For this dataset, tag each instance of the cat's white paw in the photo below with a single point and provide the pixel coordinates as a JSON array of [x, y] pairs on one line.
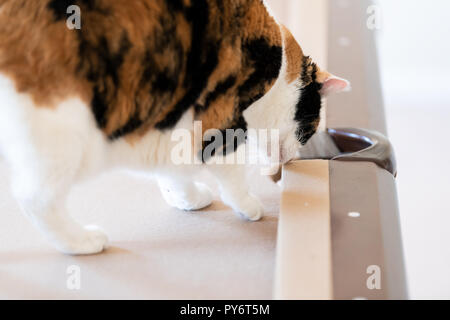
[[91, 240], [196, 198], [250, 208]]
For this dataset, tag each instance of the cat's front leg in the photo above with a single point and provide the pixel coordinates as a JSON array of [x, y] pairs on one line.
[[181, 192], [47, 151], [42, 197], [234, 190]]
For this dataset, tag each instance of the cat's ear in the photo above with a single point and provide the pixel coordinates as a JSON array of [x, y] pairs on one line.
[[332, 84]]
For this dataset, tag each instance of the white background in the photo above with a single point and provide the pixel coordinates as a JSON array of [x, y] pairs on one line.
[[414, 46]]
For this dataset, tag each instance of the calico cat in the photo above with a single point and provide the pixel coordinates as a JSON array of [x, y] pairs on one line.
[[110, 94]]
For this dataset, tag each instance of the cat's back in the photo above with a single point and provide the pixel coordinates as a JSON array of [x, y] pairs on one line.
[[38, 41], [139, 64], [121, 49]]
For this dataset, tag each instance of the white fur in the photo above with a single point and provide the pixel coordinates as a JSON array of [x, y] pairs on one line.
[[50, 149], [276, 110]]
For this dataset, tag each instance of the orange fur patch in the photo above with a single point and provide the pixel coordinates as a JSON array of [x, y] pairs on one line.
[[294, 55], [104, 63]]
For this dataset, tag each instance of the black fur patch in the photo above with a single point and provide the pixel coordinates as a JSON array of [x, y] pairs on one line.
[[201, 62], [175, 5], [101, 64], [232, 145], [160, 80], [266, 61], [102, 55], [104, 72], [133, 124], [308, 108], [221, 89]]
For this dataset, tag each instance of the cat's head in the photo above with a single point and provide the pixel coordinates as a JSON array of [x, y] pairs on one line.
[[313, 85], [293, 105]]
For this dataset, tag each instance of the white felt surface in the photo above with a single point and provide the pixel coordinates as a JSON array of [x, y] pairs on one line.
[[156, 252]]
